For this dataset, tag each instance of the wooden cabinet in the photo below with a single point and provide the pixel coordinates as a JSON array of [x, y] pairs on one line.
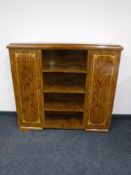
[[70, 86]]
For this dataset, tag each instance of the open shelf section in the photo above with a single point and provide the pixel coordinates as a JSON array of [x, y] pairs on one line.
[[64, 83], [70, 120], [64, 102], [68, 61]]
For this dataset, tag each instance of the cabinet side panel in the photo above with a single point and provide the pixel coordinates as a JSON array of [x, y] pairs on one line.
[[27, 85], [101, 85]]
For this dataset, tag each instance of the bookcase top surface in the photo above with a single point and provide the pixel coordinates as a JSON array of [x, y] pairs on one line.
[[77, 46]]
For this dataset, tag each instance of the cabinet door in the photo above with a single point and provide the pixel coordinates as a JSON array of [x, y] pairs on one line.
[[102, 76], [27, 80]]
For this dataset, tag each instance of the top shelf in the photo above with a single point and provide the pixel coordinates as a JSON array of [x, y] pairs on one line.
[[71, 61]]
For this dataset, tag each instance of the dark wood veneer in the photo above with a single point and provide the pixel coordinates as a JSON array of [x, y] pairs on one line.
[[64, 85]]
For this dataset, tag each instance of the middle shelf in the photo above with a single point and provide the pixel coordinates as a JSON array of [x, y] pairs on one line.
[[64, 102], [64, 83]]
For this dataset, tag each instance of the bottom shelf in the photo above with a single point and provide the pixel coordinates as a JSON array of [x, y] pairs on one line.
[[66, 120]]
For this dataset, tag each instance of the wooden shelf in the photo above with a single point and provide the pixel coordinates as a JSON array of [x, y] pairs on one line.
[[64, 83], [63, 106], [64, 89], [65, 69], [64, 102], [71, 61], [64, 120]]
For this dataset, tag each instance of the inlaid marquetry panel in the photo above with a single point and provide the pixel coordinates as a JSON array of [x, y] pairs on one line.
[[26, 66], [103, 67]]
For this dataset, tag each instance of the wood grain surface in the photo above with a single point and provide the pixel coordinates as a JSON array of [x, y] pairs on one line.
[[70, 86], [27, 84]]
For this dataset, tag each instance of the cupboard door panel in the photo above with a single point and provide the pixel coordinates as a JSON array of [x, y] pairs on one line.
[[103, 69], [26, 66]]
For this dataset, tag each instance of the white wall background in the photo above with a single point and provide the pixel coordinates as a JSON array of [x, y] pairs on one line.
[[66, 21]]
